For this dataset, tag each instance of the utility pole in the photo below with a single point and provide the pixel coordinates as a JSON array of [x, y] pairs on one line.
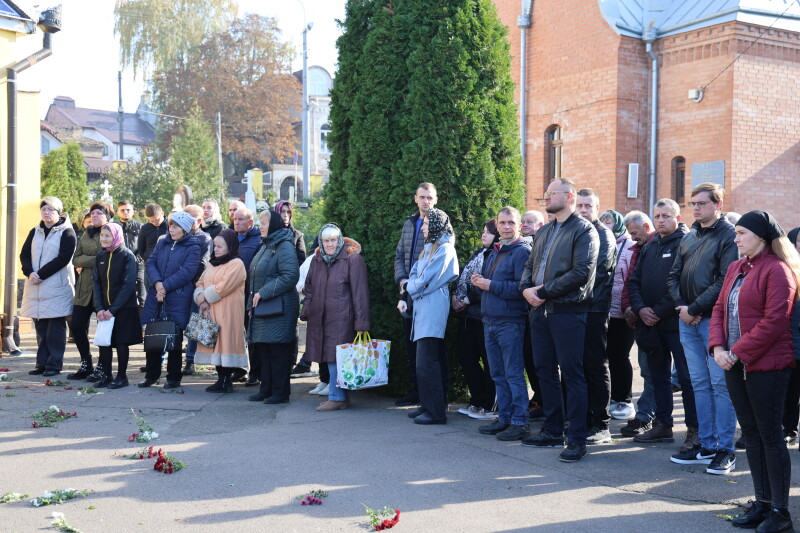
[[120, 117], [219, 154], [306, 154]]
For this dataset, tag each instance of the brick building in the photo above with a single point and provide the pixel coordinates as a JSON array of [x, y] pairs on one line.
[[588, 98]]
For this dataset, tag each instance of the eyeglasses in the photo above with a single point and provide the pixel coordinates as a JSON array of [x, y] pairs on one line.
[[548, 194], [699, 204], [47, 209]]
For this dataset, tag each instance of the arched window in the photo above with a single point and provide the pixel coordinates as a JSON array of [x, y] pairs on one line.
[[554, 153], [679, 179], [288, 189], [324, 131]]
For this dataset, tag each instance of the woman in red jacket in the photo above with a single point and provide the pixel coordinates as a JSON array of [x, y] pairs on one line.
[[749, 337]]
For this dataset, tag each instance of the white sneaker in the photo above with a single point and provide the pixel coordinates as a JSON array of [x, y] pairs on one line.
[[325, 389], [612, 406], [624, 411], [468, 409], [483, 414], [318, 389]]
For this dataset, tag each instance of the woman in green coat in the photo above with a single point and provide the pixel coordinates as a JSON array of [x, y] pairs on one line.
[[274, 272]]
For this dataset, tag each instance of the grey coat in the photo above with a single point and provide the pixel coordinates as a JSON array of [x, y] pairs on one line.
[[274, 272], [428, 287]]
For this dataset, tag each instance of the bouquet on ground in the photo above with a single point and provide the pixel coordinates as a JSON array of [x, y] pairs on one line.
[[313, 498], [58, 496], [12, 497], [381, 519], [60, 523], [146, 432], [49, 417]]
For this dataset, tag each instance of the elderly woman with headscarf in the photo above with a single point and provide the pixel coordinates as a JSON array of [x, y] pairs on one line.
[[86, 251], [285, 209], [114, 277], [46, 260], [274, 272], [336, 304], [428, 287], [749, 338], [620, 336], [170, 270], [220, 295]]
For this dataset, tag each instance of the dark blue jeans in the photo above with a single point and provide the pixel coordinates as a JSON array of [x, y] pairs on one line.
[[557, 340], [660, 359], [504, 350]]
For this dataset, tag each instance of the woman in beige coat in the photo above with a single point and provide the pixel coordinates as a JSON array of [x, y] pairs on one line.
[[220, 292]]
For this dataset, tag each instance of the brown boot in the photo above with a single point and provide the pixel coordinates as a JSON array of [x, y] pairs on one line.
[[658, 433], [332, 405], [692, 439]]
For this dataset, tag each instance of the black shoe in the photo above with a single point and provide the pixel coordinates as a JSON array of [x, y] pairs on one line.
[[188, 370], [95, 376], [216, 387], [426, 420], [777, 520], [142, 369], [51, 373], [119, 382], [634, 427], [272, 400], [535, 412], [172, 384], [252, 381], [412, 398], [740, 444], [414, 413], [105, 381], [752, 515], [301, 371], [790, 437], [514, 432], [544, 439], [256, 398], [694, 456], [239, 375], [723, 462], [147, 383], [494, 428], [36, 371], [572, 453], [83, 372]]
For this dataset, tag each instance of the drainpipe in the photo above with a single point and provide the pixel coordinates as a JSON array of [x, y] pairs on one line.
[[524, 22], [649, 36], [50, 22]]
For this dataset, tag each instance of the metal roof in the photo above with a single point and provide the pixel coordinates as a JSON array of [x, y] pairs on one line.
[[668, 17]]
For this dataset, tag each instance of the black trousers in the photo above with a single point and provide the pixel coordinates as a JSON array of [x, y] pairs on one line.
[[276, 360], [758, 400], [471, 351], [666, 343], [791, 411], [432, 388], [80, 331], [106, 355], [411, 350], [620, 342], [52, 337], [595, 369], [530, 368], [174, 359]]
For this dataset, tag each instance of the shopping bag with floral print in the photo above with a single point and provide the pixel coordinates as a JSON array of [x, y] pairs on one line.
[[362, 363]]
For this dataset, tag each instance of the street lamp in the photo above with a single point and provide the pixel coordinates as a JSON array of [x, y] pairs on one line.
[[305, 148]]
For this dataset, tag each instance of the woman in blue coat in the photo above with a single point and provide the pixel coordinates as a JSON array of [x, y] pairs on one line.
[[170, 270], [427, 285]]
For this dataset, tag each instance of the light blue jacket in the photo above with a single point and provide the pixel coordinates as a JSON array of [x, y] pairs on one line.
[[428, 288]]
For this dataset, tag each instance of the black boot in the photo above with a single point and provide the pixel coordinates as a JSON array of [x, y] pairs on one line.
[[227, 383], [83, 372], [777, 520], [751, 516], [218, 386]]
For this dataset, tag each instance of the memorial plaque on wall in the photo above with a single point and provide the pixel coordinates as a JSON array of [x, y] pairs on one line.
[[712, 171]]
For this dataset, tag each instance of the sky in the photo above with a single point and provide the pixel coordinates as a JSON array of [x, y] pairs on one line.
[[85, 58]]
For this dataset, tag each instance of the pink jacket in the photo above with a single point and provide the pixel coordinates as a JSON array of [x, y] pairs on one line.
[[621, 273]]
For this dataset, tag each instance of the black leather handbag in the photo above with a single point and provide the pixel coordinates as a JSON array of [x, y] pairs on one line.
[[271, 307], [162, 334]]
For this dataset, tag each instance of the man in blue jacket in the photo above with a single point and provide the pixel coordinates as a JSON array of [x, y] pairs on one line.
[[504, 310]]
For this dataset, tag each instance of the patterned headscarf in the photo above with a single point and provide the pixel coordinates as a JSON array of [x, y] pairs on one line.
[[329, 259], [279, 206], [116, 234], [438, 225], [231, 239], [619, 224]]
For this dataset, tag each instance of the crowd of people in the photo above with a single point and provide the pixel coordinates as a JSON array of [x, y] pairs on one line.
[[559, 298]]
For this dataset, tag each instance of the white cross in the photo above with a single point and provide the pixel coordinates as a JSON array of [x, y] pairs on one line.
[[106, 186]]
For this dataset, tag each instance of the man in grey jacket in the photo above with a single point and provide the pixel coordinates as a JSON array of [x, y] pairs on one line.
[[408, 249], [557, 281]]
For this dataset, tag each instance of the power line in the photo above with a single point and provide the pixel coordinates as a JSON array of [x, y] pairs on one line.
[[750, 45]]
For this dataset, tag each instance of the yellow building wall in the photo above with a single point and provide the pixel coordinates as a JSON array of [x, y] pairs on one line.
[[28, 158]]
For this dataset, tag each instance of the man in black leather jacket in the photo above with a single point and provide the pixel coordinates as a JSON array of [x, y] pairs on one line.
[[595, 357], [557, 281], [694, 283]]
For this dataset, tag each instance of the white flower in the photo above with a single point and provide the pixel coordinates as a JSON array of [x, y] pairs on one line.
[[3, 376], [53, 408], [36, 502], [59, 516], [48, 495]]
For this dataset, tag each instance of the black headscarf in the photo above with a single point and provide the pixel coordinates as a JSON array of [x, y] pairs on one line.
[[438, 225], [275, 224], [762, 224], [232, 240], [793, 235]]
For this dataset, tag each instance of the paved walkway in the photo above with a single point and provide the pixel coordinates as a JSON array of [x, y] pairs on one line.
[[247, 463]]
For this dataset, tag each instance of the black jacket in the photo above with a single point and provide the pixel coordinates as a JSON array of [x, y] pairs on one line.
[[130, 232], [215, 228], [114, 278], [600, 299], [699, 269], [403, 253], [647, 286], [148, 237], [570, 268]]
